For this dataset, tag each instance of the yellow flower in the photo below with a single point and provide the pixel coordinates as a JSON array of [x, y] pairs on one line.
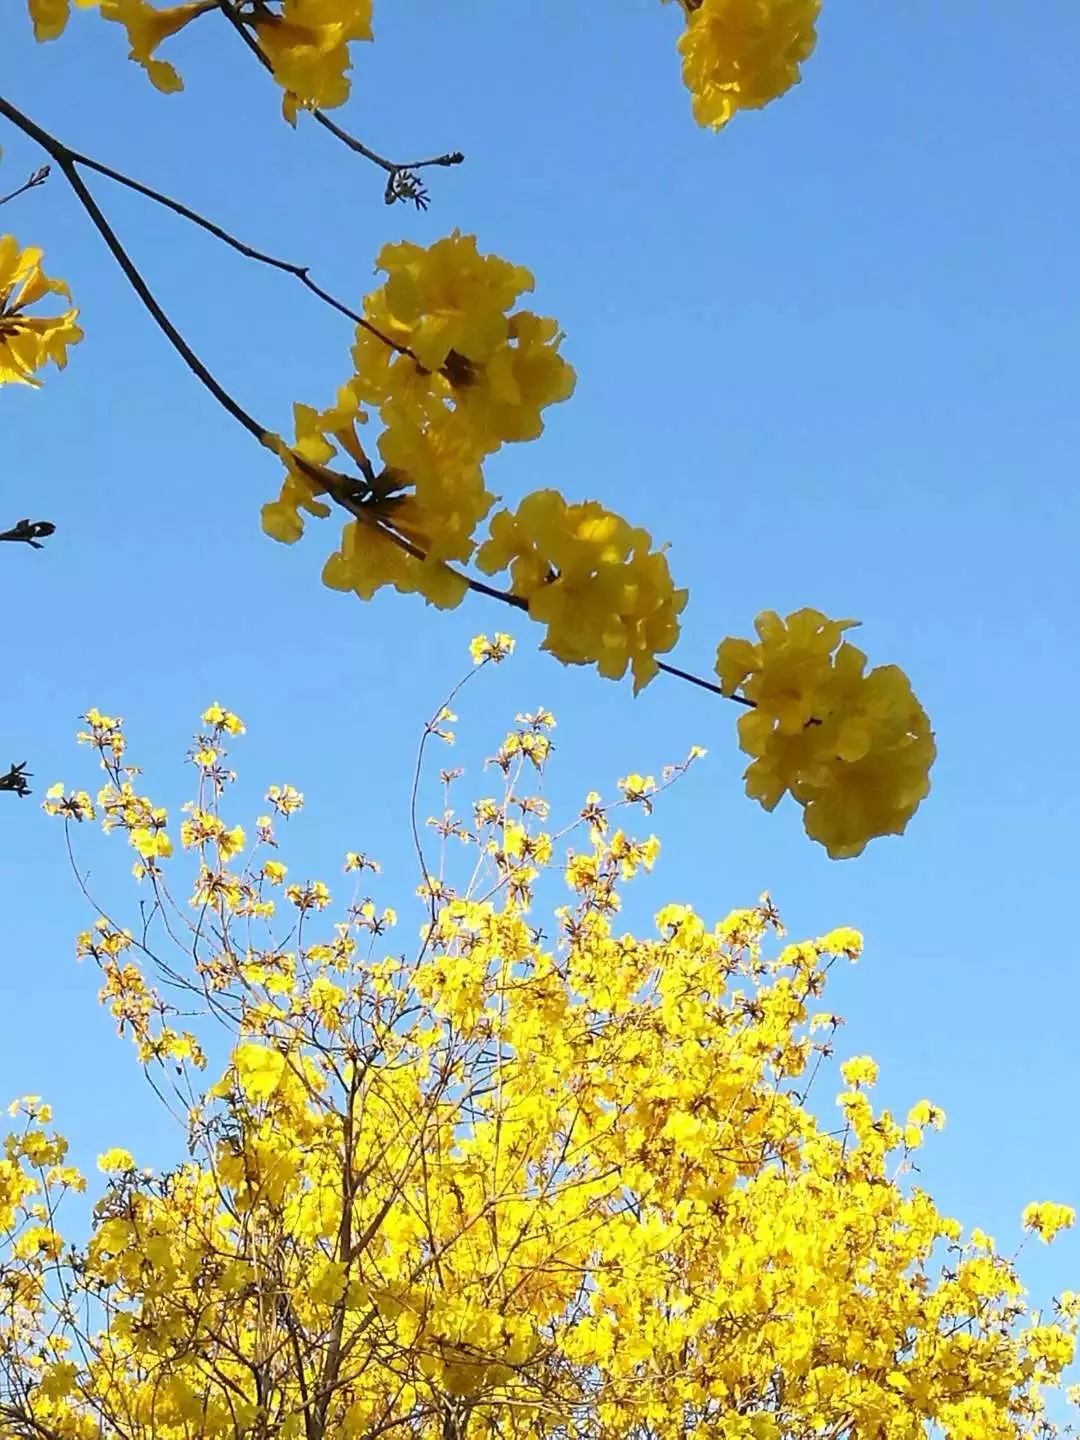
[[861, 1070], [28, 342], [369, 559], [313, 896], [454, 372], [115, 1161], [469, 353], [221, 719], [436, 468], [147, 27], [230, 842], [285, 799], [307, 46], [305, 464], [50, 17], [637, 789], [151, 843], [259, 1071], [74, 806], [495, 650], [357, 860], [924, 1114], [741, 54], [1047, 1218]]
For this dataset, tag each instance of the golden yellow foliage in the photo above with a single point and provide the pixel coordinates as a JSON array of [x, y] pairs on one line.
[[530, 1177]]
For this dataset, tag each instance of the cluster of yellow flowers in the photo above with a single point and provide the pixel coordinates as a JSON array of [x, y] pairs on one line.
[[854, 749], [453, 371], [29, 342], [741, 54], [552, 1186], [605, 596]]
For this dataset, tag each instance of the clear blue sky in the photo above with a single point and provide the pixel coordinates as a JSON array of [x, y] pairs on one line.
[[829, 355]]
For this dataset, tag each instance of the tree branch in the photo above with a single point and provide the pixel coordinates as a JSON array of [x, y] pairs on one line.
[[37, 178], [402, 182], [64, 159], [301, 272], [344, 491]]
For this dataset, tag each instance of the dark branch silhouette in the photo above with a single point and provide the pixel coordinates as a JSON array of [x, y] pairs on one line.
[[16, 780], [30, 532], [402, 182]]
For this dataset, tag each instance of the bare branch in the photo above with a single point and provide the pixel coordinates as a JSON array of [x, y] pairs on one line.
[[288, 267], [402, 182], [37, 178]]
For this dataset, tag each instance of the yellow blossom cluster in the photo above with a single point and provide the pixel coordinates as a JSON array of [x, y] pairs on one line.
[[559, 1186], [29, 342], [454, 371], [496, 648], [853, 748], [456, 343], [741, 54], [606, 597]]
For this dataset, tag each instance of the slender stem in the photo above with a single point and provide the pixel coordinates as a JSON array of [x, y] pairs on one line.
[[228, 9], [63, 157], [704, 684], [301, 272], [391, 167], [37, 178]]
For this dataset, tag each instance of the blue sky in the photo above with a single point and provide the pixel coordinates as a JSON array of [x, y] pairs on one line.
[[828, 354]]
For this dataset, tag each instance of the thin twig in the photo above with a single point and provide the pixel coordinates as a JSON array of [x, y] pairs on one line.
[[37, 178], [703, 684], [392, 167], [395, 170], [301, 272], [30, 532], [63, 158]]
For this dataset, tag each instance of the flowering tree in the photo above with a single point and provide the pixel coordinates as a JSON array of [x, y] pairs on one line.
[[447, 367], [511, 1182]]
